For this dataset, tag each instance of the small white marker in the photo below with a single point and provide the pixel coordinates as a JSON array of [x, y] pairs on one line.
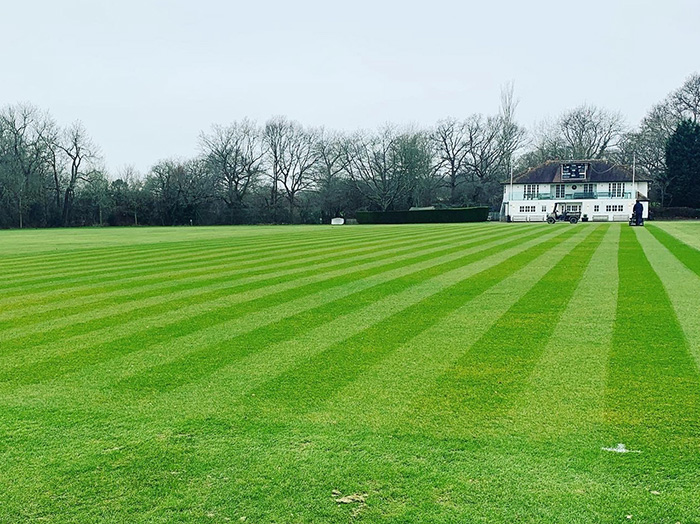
[[621, 449]]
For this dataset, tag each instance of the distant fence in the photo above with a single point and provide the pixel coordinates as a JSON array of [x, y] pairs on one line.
[[424, 216]]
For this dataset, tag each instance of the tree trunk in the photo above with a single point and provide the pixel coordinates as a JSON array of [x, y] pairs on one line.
[[66, 207], [273, 199]]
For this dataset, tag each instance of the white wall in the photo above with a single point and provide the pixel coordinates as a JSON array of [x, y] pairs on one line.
[[543, 207]]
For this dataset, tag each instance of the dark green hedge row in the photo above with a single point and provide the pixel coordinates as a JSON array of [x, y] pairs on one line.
[[676, 212], [424, 216]]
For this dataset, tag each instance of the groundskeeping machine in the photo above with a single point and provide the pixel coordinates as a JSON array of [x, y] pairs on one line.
[[633, 221], [560, 214]]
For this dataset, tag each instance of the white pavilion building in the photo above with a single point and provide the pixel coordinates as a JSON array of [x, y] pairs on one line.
[[598, 190]]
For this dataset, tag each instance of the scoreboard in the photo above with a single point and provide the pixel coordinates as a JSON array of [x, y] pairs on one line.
[[574, 171]]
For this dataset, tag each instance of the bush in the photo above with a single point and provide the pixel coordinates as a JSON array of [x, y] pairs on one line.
[[424, 216], [676, 212]]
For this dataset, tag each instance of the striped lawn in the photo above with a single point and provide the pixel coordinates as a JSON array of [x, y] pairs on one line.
[[445, 373]]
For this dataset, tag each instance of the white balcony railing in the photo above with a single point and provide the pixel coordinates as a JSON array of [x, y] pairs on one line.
[[595, 195]]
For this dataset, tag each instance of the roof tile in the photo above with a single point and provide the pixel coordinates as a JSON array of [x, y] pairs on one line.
[[598, 171]]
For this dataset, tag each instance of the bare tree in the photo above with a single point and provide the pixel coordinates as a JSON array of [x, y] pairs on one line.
[[512, 135], [51, 137], [162, 185], [585, 132], [484, 155], [180, 188], [331, 155], [127, 195], [329, 170], [292, 156], [275, 147], [545, 143], [234, 156], [374, 165], [97, 190], [646, 148], [647, 145], [685, 101], [591, 132], [80, 153], [449, 140], [419, 166], [479, 149], [24, 153]]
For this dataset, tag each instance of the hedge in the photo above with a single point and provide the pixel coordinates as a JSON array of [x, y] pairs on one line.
[[675, 212], [424, 216]]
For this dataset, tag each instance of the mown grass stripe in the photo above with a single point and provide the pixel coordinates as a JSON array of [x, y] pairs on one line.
[[688, 255], [564, 394], [135, 288], [474, 396], [132, 295], [116, 256], [280, 240], [652, 399], [120, 280], [669, 462], [200, 241], [63, 328], [685, 230], [381, 398], [653, 383], [172, 326], [175, 260], [72, 448], [308, 386], [254, 368], [176, 316], [78, 244], [203, 250], [204, 362], [682, 287], [177, 264]]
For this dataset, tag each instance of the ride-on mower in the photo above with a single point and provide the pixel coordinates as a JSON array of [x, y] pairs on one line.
[[633, 221], [564, 216]]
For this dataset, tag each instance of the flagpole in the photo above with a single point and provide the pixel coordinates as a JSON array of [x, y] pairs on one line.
[[510, 200], [634, 169]]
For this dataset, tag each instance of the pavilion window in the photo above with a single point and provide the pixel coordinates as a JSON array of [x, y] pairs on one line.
[[616, 189]]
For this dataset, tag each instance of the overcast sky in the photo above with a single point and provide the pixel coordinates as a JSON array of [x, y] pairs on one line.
[[146, 76]]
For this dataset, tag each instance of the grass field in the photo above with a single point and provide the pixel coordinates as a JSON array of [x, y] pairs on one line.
[[437, 373]]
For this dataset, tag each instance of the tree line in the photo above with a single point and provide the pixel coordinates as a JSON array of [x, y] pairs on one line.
[[284, 172]]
